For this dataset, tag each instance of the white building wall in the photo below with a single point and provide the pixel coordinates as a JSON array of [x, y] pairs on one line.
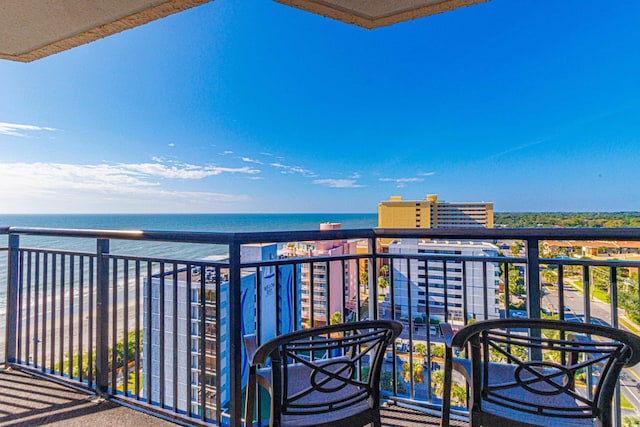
[[432, 272]]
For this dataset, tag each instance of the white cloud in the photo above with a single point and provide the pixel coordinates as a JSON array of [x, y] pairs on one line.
[[226, 152], [182, 171], [171, 144], [20, 130], [401, 182], [57, 187], [426, 173], [338, 183], [284, 169], [250, 160]]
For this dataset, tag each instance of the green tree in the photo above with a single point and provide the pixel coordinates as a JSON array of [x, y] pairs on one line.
[[516, 247], [387, 382], [383, 282], [364, 277], [631, 422], [437, 350], [384, 270], [336, 318], [418, 374], [421, 349]]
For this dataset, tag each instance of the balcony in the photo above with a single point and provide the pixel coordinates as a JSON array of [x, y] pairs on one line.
[[118, 314]]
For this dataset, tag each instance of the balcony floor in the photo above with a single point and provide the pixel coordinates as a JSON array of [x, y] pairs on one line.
[[26, 400]]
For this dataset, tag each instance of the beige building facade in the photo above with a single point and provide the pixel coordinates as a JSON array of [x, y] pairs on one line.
[[432, 213]]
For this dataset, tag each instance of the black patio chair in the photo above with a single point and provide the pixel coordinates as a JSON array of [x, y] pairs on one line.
[[525, 372], [323, 376]]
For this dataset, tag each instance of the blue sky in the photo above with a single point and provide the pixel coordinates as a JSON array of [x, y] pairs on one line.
[[253, 106]]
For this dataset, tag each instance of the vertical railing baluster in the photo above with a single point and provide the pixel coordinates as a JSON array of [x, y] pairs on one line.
[[161, 340], [327, 283], [148, 331], [137, 326], [374, 268], [45, 299], [410, 324], [485, 286], [63, 262], [445, 289], [174, 332], [81, 318], [613, 298], [114, 325], [507, 296], [312, 302], [218, 346], [465, 294], [72, 278], [92, 310], [20, 308], [54, 281], [534, 294], [102, 317], [27, 352], [36, 316], [235, 338], [12, 311], [202, 296], [187, 345], [278, 279], [125, 328], [343, 286], [561, 301], [391, 288]]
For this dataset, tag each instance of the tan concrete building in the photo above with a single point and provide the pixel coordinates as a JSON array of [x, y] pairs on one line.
[[431, 213]]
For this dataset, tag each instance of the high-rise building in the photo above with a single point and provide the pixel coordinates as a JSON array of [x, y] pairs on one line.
[[322, 289], [432, 213], [184, 288], [426, 281]]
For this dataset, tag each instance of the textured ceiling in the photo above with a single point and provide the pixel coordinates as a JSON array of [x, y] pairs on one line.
[[377, 13], [32, 29]]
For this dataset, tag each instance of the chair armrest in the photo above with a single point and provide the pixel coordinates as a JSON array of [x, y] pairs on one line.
[[250, 346], [447, 333]]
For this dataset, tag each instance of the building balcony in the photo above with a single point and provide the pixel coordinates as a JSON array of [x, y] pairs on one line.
[[89, 309]]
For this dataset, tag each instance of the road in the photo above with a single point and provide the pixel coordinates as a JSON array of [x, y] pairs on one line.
[[600, 314]]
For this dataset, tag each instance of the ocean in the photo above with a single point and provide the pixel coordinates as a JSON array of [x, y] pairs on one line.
[[164, 222]]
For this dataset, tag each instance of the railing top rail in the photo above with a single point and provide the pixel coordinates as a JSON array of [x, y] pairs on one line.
[[197, 236], [514, 233], [630, 234]]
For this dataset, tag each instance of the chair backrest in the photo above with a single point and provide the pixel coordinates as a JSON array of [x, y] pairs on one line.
[[532, 366], [326, 369]]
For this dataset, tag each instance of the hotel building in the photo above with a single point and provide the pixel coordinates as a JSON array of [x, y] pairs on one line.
[[217, 352], [432, 213], [324, 284], [429, 279]]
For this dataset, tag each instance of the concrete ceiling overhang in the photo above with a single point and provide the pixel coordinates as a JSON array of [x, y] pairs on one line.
[[378, 13], [33, 29]]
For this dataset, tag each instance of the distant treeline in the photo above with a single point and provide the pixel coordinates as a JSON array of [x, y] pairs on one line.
[[567, 219]]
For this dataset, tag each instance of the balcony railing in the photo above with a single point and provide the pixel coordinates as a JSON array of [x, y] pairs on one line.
[[125, 315]]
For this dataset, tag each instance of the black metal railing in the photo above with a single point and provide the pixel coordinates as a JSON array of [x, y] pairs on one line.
[[165, 332]]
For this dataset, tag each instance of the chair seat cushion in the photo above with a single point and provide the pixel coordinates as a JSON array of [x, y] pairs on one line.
[[299, 376], [502, 373]]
